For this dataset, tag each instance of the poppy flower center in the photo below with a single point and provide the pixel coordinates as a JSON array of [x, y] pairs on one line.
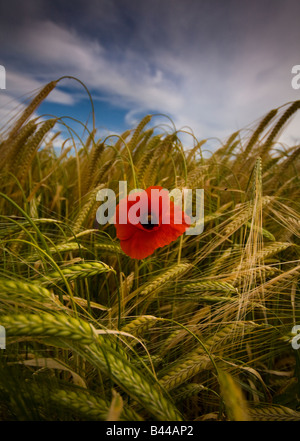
[[149, 221]]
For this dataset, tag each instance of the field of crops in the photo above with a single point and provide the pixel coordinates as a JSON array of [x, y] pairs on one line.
[[201, 329]]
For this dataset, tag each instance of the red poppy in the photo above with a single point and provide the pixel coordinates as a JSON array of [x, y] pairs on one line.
[[147, 220]]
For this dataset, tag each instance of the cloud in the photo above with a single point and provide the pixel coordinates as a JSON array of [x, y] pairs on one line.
[[215, 75], [56, 49]]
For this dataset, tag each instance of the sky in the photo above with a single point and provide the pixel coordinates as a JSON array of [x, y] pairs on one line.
[[212, 66]]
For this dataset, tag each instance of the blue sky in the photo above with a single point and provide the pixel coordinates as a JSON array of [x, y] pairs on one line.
[[214, 66]]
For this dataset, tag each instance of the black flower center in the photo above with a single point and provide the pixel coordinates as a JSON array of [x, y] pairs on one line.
[[149, 221]]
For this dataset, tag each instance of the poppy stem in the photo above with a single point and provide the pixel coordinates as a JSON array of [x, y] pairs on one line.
[[136, 274], [179, 250]]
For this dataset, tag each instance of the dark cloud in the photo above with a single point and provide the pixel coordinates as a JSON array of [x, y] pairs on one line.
[[207, 63], [213, 29]]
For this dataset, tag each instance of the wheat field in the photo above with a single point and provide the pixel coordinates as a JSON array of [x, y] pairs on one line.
[[201, 329]]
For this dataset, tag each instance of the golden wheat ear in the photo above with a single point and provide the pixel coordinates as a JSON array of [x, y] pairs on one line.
[[201, 329]]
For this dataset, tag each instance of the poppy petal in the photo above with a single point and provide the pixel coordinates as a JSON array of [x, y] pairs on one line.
[[124, 230], [139, 246], [139, 241]]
